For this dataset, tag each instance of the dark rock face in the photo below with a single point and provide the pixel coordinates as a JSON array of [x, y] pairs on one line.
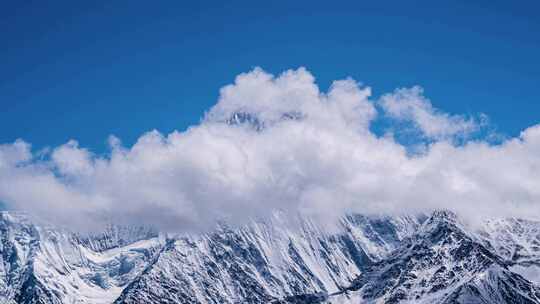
[[33, 292], [320, 297]]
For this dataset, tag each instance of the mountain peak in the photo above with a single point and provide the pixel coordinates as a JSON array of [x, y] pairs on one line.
[[442, 221], [257, 123], [443, 215]]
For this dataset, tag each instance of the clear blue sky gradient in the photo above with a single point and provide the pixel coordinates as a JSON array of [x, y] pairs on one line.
[[88, 70]]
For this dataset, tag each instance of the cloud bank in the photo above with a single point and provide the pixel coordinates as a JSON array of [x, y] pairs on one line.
[[280, 143]]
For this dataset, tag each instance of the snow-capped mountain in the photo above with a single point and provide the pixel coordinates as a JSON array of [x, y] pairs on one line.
[[443, 263], [40, 264], [267, 260], [280, 259]]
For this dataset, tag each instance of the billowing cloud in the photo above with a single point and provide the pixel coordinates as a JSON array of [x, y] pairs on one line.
[[410, 105], [71, 160], [293, 94], [278, 142]]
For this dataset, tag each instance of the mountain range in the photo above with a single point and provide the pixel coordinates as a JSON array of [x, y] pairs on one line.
[[421, 258]]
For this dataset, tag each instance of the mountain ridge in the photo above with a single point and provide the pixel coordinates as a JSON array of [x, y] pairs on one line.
[[382, 259]]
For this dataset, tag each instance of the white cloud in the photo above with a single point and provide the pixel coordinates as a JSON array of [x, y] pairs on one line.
[[13, 154], [323, 162], [293, 93], [72, 160], [410, 105]]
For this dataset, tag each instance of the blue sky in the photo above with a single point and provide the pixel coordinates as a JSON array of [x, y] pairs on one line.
[[85, 71]]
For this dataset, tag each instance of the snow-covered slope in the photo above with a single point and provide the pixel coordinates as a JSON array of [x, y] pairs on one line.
[[267, 260], [444, 263], [365, 259], [40, 264], [517, 241], [114, 236]]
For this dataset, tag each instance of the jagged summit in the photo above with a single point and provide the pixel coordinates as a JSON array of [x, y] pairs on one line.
[[443, 225], [243, 118], [254, 122], [443, 263], [443, 215]]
